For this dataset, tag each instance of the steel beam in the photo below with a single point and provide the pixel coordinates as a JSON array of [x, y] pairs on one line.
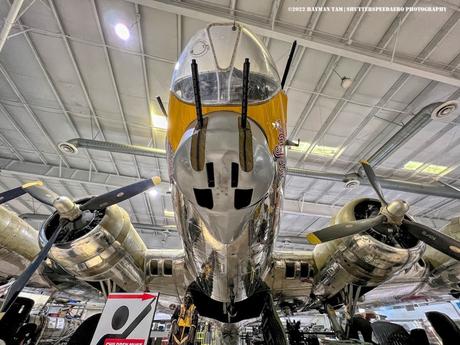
[[179, 35], [233, 7], [114, 82], [337, 110], [319, 88], [314, 18], [79, 77], [383, 43], [215, 14], [31, 113], [11, 147], [118, 99], [53, 172], [426, 52], [9, 21], [50, 82], [355, 21], [435, 188], [145, 75], [18, 128], [36, 170], [20, 200], [375, 110], [273, 14]]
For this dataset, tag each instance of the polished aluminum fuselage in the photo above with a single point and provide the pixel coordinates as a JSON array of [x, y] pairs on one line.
[[228, 250]]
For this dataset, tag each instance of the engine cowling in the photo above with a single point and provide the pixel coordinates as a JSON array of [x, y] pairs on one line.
[[107, 247], [17, 236], [365, 259], [445, 270], [18, 246]]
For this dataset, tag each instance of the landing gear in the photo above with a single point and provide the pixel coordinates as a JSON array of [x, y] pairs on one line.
[[336, 327], [272, 329], [351, 296]]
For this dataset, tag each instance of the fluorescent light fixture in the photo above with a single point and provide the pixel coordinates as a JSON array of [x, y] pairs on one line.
[[303, 147], [318, 150], [153, 192], [122, 31], [159, 121], [324, 151], [412, 165], [169, 214], [432, 169]]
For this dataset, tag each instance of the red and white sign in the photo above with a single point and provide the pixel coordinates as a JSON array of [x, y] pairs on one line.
[[126, 319], [124, 341]]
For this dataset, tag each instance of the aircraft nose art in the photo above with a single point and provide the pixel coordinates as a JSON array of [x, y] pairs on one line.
[[237, 173]]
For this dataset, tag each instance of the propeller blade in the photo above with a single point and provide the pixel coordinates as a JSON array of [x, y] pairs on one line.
[[120, 194], [433, 238], [42, 194], [334, 232], [22, 280], [18, 191], [373, 181]]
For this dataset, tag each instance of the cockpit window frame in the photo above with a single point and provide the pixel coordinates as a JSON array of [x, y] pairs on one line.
[[237, 42], [221, 81]]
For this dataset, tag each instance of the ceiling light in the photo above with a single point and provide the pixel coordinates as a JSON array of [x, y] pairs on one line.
[[318, 150], [122, 31], [169, 214], [153, 192], [159, 121], [432, 169], [346, 82], [412, 165], [325, 151], [302, 147]]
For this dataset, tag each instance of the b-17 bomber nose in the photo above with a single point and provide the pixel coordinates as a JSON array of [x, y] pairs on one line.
[[224, 168]]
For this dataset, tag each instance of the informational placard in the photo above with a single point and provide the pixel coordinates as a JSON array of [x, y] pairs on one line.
[[126, 319]]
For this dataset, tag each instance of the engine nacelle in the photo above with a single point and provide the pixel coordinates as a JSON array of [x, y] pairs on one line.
[[108, 247], [18, 246], [17, 236], [361, 259], [446, 270]]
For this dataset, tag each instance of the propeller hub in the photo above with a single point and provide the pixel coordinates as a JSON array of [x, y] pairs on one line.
[[66, 208], [395, 211]]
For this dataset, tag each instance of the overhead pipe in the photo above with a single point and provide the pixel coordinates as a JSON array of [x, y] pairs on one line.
[[118, 148], [434, 189], [418, 121], [9, 21]]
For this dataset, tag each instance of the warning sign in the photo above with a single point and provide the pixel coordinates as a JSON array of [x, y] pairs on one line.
[[126, 319], [124, 342]]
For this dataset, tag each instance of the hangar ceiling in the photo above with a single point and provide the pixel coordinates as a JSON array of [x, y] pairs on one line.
[[64, 74]]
